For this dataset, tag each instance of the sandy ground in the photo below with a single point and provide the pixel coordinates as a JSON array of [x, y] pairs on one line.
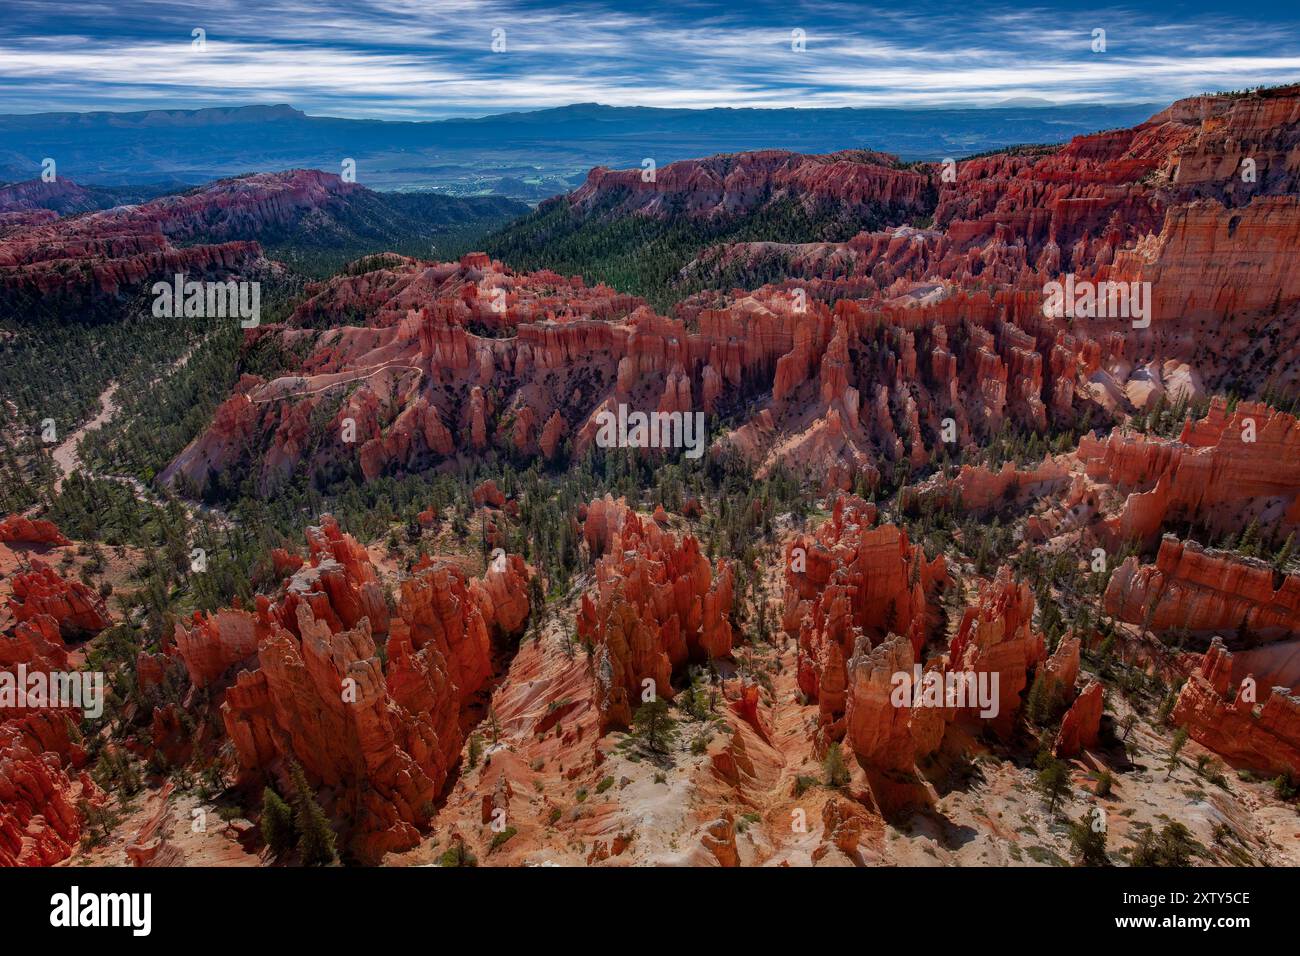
[[67, 456]]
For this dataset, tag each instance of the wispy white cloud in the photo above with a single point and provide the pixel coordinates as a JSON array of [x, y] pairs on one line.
[[422, 59]]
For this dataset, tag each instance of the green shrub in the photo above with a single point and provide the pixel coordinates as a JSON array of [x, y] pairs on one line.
[[837, 771], [1104, 783], [458, 854], [500, 838]]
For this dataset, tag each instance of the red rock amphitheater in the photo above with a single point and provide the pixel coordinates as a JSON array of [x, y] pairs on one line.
[[1129, 578]]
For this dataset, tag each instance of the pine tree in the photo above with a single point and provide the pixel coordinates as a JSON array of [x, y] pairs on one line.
[[1176, 845], [1250, 538], [1104, 784], [1284, 555], [1053, 782], [1171, 847], [1088, 842], [1180, 738], [654, 725], [1127, 724], [277, 822], [1036, 702], [315, 838], [837, 771]]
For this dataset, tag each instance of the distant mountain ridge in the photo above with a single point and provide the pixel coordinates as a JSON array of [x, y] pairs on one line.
[[210, 116], [524, 155], [61, 247]]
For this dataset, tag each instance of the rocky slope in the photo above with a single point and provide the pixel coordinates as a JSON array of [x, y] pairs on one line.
[[1191, 590], [1222, 472], [470, 358], [425, 726], [853, 581], [36, 202], [1256, 728]]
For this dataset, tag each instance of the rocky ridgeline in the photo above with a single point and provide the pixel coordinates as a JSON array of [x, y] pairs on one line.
[[26, 204], [1196, 591], [1238, 704], [850, 364], [1083, 207], [82, 259], [20, 529], [1222, 471], [858, 182], [1255, 726], [1229, 470], [43, 592], [529, 363]]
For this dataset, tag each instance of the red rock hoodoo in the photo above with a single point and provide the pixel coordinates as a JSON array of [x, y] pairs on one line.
[[847, 581], [658, 604], [303, 680]]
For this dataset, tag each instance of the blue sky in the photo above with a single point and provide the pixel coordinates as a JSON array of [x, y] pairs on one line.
[[412, 59]]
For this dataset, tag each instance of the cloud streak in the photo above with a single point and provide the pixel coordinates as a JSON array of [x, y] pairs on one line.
[[402, 58]]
